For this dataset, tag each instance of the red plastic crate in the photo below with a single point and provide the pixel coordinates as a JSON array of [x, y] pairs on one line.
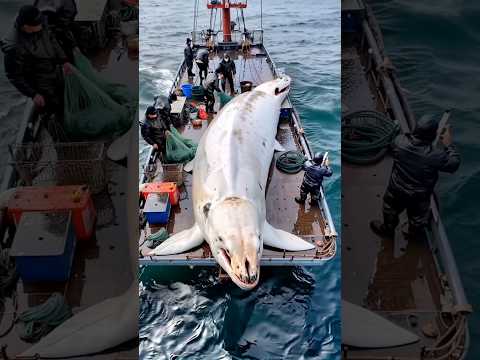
[[162, 187], [76, 198]]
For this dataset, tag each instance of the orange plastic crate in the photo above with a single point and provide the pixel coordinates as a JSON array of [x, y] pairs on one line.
[[162, 187], [76, 198]]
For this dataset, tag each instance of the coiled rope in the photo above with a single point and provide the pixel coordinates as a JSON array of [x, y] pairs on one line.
[[366, 136], [290, 162], [41, 319]]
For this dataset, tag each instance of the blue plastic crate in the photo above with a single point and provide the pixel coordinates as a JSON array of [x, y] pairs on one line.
[[157, 208], [44, 246]]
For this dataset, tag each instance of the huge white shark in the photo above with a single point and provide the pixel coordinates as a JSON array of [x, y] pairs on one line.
[[230, 174]]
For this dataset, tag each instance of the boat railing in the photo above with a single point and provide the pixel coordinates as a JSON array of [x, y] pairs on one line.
[[213, 38]]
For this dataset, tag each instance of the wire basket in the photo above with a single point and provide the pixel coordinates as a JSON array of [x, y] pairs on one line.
[[75, 163], [173, 173]]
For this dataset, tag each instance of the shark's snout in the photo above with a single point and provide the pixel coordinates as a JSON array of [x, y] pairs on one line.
[[243, 270]]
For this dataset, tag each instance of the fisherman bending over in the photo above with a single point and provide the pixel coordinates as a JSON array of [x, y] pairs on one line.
[[156, 126], [211, 84], [202, 63], [416, 163], [227, 68], [60, 15], [188, 53], [315, 171], [33, 61]]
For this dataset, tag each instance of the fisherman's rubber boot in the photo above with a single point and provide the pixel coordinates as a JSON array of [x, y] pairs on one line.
[[314, 200], [301, 199], [417, 233], [381, 230]]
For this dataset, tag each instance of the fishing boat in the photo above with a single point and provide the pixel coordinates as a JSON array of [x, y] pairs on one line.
[[103, 256], [255, 66], [413, 285]]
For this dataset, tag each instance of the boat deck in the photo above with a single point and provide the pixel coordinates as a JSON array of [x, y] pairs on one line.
[[282, 211], [396, 278], [96, 261]]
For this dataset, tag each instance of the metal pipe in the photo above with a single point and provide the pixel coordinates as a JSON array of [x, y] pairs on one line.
[[227, 35]]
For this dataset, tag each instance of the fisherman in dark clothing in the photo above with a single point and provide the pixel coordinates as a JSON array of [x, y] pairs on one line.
[[188, 53], [315, 171], [34, 60], [202, 63], [416, 163], [227, 68], [60, 15], [155, 129], [211, 84]]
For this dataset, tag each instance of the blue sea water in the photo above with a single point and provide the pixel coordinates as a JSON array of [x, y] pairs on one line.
[[435, 46], [294, 313]]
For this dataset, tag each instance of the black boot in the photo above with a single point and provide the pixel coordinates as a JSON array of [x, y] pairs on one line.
[[300, 199], [381, 230]]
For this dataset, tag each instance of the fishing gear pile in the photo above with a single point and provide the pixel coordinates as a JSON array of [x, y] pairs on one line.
[[179, 149], [224, 99], [94, 107], [366, 136], [291, 162], [155, 239], [39, 320]]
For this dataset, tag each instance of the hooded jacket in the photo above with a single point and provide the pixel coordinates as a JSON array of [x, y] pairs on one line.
[[314, 174], [153, 132], [416, 164], [227, 68], [33, 62], [61, 16]]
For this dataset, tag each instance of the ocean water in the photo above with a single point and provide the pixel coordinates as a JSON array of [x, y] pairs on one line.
[[294, 313], [435, 48]]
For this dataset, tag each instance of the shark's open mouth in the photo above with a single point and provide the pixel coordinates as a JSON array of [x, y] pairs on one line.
[[277, 91], [247, 282]]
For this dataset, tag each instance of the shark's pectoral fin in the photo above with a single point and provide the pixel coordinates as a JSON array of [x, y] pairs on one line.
[[283, 240], [181, 242], [278, 147], [365, 329]]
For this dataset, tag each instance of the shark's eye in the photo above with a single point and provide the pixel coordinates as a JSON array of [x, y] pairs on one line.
[[220, 239]]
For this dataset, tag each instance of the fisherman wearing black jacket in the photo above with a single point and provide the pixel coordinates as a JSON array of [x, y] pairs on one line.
[[188, 54], [211, 84], [202, 60], [416, 163], [315, 171], [60, 15], [155, 129], [227, 68], [34, 60]]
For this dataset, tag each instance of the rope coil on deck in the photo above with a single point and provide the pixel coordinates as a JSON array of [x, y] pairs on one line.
[[41, 319], [291, 162], [366, 136]]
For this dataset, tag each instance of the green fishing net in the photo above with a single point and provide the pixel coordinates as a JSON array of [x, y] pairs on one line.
[[118, 92], [224, 99], [178, 148], [90, 111]]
